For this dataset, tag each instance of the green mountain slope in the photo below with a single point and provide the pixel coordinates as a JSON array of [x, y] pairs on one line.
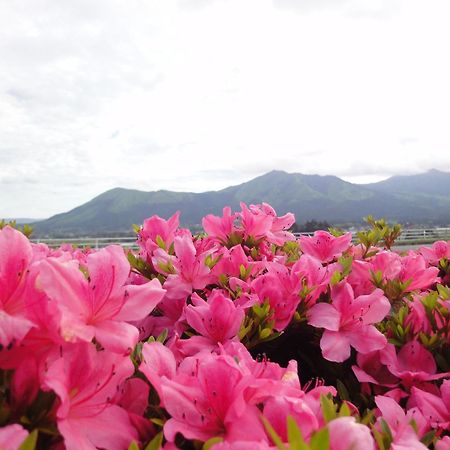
[[307, 196]]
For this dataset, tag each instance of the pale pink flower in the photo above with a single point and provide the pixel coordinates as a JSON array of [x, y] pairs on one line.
[[324, 246], [348, 321], [346, 433], [12, 436]]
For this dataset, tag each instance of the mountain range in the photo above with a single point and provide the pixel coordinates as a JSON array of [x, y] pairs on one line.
[[421, 199]]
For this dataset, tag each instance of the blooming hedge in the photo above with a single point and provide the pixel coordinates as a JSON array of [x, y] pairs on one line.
[[243, 337]]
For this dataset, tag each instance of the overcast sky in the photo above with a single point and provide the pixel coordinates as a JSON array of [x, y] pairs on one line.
[[195, 95]]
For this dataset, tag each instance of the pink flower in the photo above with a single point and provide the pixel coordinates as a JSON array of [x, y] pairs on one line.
[[404, 436], [348, 322], [413, 364], [156, 231], [102, 306], [12, 436], [15, 257], [324, 246], [443, 444], [281, 288], [206, 399], [277, 409], [158, 361], [346, 433], [218, 318], [220, 228], [314, 276], [439, 250], [436, 409], [371, 370], [415, 270], [86, 382], [191, 271]]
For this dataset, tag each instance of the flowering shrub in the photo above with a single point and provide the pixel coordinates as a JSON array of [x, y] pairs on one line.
[[240, 338]]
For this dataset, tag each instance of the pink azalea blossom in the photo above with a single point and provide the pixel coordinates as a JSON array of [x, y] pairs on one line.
[[102, 306], [218, 318], [415, 271], [348, 322], [12, 436], [314, 276], [324, 246], [404, 436], [157, 361], [346, 433], [209, 401], [435, 408], [15, 257], [277, 409], [413, 364], [433, 254], [281, 288], [190, 269], [156, 229], [220, 228], [86, 382]]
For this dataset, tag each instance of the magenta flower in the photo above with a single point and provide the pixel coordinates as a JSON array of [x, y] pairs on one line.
[[15, 257], [324, 246], [348, 321], [86, 382], [101, 306], [218, 318]]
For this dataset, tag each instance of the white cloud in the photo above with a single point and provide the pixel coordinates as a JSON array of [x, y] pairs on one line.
[[197, 95]]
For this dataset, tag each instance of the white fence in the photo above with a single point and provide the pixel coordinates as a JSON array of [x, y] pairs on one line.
[[408, 236]]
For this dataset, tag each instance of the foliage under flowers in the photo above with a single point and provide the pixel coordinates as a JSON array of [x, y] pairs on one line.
[[241, 338]]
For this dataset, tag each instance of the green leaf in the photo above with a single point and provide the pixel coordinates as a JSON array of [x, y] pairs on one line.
[[345, 410], [378, 438], [320, 440], [163, 336], [210, 442], [30, 442], [342, 390], [273, 434], [328, 408], [156, 442], [133, 446], [427, 439], [295, 438]]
